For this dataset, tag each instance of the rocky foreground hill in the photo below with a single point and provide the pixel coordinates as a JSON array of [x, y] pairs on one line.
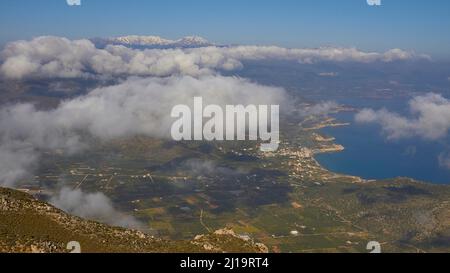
[[29, 225]]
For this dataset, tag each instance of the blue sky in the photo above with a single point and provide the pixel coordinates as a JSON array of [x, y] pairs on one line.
[[419, 25]]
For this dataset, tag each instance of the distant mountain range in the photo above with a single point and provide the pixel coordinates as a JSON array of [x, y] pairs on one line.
[[136, 41]]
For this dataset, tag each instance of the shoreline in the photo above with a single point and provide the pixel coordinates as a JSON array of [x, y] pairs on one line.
[[336, 148]]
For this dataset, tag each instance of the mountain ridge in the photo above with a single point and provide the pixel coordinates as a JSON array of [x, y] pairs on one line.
[[28, 225], [152, 41]]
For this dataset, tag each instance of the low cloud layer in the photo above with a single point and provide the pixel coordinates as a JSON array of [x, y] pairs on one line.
[[135, 107], [17, 161], [94, 206], [430, 119], [57, 57]]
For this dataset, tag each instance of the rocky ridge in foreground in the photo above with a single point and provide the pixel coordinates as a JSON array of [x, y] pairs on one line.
[[29, 225]]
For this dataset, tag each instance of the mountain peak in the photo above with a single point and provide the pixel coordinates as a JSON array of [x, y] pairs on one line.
[[156, 41]]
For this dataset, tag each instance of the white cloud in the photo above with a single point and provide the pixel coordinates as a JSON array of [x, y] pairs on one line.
[[94, 206], [320, 109], [430, 119], [17, 161], [50, 57], [311, 55], [137, 106]]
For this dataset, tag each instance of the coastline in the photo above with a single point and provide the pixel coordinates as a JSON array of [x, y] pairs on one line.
[[337, 148]]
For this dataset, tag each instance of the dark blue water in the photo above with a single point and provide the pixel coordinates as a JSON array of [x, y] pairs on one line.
[[369, 155]]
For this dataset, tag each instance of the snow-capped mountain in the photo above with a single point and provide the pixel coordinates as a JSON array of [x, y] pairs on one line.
[[140, 40], [193, 41], [154, 42]]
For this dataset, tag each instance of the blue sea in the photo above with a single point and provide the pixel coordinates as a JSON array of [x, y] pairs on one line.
[[369, 155]]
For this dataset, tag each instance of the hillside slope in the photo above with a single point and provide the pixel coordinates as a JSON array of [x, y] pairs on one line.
[[29, 225]]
